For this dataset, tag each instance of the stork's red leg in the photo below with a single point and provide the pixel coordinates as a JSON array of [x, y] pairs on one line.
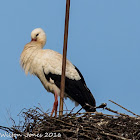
[[55, 105]]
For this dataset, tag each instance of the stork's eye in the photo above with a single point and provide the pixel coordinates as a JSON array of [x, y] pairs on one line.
[[37, 35]]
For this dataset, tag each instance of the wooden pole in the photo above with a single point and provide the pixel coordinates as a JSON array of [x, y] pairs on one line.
[[62, 90]]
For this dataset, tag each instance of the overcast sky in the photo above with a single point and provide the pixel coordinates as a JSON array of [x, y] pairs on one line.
[[104, 43]]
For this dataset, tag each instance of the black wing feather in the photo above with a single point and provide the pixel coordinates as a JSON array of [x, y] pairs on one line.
[[82, 78], [76, 89]]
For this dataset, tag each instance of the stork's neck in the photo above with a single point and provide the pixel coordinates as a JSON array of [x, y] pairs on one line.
[[40, 43], [35, 44], [28, 55]]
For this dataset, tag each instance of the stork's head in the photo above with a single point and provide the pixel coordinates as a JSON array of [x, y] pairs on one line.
[[39, 36]]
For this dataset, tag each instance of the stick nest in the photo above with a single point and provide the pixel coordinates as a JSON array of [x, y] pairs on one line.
[[37, 125]]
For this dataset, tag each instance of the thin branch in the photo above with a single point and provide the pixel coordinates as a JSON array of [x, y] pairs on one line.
[[124, 108], [115, 111], [115, 136]]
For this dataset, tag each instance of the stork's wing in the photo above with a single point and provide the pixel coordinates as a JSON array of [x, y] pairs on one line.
[[76, 89], [53, 64]]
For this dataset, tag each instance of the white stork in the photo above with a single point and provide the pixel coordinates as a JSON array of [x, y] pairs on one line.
[[47, 66]]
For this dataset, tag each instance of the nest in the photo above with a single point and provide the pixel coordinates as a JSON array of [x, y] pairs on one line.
[[38, 125]]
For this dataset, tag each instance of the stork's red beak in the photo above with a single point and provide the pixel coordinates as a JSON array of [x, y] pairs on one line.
[[34, 39]]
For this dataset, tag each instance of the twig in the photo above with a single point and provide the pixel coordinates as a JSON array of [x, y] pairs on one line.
[[124, 108], [79, 110], [72, 110], [115, 112], [62, 122], [115, 136]]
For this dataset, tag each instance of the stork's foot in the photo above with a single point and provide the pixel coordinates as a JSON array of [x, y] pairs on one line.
[[55, 105]]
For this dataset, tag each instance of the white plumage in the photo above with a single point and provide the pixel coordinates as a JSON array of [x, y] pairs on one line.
[[47, 65]]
